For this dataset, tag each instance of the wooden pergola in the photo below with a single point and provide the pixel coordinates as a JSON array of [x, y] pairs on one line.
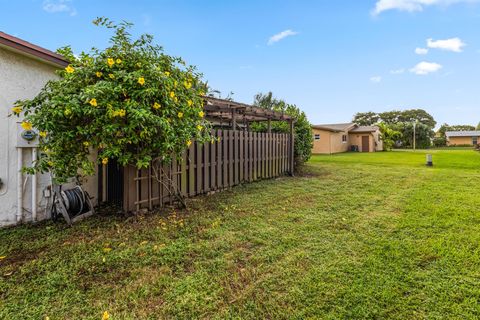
[[221, 111], [226, 111]]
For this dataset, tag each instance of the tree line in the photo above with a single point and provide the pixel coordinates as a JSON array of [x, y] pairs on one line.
[[398, 127]]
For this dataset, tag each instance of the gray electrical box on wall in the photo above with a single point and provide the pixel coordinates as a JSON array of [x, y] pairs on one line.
[[26, 138]]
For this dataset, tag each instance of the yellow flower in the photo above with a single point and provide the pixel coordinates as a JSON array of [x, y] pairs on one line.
[[190, 103], [67, 112], [17, 109], [26, 125], [200, 128], [110, 62], [99, 74], [175, 99], [107, 249], [122, 113], [180, 114], [93, 102], [201, 114], [105, 316], [141, 81], [187, 84], [50, 163], [172, 94], [118, 61], [69, 69], [104, 160], [156, 106], [111, 75], [42, 134], [175, 83], [86, 143], [167, 73], [189, 142]]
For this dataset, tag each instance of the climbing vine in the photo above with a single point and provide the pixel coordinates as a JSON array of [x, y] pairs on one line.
[[130, 102]]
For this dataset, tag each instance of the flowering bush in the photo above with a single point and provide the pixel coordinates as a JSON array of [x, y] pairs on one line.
[[129, 102]]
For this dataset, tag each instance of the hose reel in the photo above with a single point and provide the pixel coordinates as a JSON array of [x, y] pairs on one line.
[[73, 204]]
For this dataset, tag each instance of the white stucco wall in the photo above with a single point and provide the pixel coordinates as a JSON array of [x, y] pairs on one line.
[[21, 77]]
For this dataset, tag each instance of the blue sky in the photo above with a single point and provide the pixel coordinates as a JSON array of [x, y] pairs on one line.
[[331, 58]]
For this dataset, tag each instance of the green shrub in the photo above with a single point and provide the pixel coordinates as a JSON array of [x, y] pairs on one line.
[[131, 102], [303, 129]]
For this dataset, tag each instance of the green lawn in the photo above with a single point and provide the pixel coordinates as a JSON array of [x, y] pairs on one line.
[[356, 236]]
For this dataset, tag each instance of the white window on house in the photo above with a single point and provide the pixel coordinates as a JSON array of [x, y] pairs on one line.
[[344, 138], [317, 136], [474, 141]]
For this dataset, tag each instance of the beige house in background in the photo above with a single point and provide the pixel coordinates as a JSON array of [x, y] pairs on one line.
[[343, 137], [462, 138]]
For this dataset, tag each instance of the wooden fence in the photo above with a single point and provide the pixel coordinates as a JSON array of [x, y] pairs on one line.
[[237, 157]]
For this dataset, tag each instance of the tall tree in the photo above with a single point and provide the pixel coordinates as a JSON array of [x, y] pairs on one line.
[[303, 130], [403, 121], [366, 118], [462, 127]]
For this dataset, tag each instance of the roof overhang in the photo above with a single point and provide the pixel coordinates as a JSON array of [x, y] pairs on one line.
[[30, 50], [330, 129]]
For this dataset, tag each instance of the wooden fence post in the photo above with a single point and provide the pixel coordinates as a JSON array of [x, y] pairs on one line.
[[292, 148]]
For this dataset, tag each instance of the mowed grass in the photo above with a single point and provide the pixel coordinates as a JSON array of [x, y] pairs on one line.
[[357, 236]]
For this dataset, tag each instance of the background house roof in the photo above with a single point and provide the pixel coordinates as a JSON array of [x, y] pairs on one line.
[[462, 134], [335, 127], [28, 49], [364, 129]]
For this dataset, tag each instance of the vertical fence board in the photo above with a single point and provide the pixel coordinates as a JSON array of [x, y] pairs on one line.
[[270, 155], [236, 157], [183, 174], [219, 160], [206, 167], [199, 173], [255, 155], [242, 155], [264, 155], [175, 188], [191, 169], [230, 158], [248, 171], [225, 160], [213, 163]]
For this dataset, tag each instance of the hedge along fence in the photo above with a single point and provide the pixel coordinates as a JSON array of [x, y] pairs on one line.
[[235, 157]]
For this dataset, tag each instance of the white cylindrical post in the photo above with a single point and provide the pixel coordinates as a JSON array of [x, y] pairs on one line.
[[34, 187], [429, 160], [19, 184]]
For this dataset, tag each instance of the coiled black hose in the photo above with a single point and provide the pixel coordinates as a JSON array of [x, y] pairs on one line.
[[75, 201]]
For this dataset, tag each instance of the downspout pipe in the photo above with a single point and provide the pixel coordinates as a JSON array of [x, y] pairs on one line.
[[34, 187], [19, 185]]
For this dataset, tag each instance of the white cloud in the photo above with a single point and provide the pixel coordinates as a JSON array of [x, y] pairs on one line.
[[397, 71], [424, 68], [453, 44], [54, 6], [376, 79], [421, 51], [412, 5], [282, 35]]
